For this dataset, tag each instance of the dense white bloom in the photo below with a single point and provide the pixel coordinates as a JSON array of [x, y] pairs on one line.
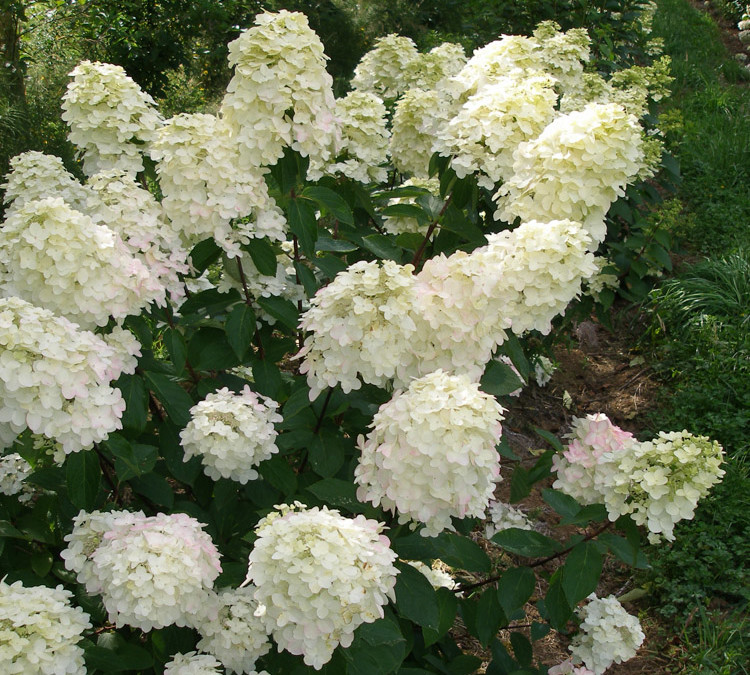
[[386, 70], [192, 663], [431, 453], [320, 576], [544, 368], [150, 571], [401, 224], [210, 189], [659, 482], [418, 117], [58, 258], [232, 433], [54, 378], [563, 55], [582, 469], [34, 175], [493, 122], [577, 167], [429, 70], [567, 668], [362, 117], [360, 324], [503, 516], [109, 116], [234, 630], [437, 574], [14, 470], [279, 65], [39, 631], [608, 634]]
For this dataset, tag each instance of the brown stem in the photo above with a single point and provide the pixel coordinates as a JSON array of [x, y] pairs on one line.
[[243, 281], [323, 411]]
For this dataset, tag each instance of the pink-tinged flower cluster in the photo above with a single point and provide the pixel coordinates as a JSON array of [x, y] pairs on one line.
[[109, 116], [567, 668], [55, 378], [151, 572], [40, 631], [318, 576], [431, 453], [232, 433]]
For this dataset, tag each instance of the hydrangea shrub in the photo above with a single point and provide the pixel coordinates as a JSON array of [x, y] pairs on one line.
[[254, 368]]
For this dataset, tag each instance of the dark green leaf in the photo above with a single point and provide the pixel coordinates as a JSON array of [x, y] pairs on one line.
[[539, 630], [9, 532], [41, 563], [630, 555], [520, 484], [208, 303], [307, 278], [563, 504], [267, 378], [512, 347], [209, 349], [326, 453], [526, 543], [173, 454], [415, 597], [83, 475], [335, 245], [240, 328], [465, 664], [553, 440], [515, 588], [281, 309], [499, 379], [588, 513], [407, 211], [155, 488], [172, 396], [659, 254], [304, 225], [174, 341], [504, 449], [453, 549], [556, 604], [330, 265], [331, 202], [502, 662], [263, 256], [490, 617], [135, 395], [581, 572], [382, 246], [447, 605], [522, 649], [203, 254], [125, 658], [279, 474], [339, 493], [455, 221], [140, 460]]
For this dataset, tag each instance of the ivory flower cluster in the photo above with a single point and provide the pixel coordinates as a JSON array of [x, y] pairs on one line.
[[14, 470], [431, 453], [435, 574], [385, 70], [233, 630], [319, 576], [54, 378], [658, 482], [608, 634], [151, 572], [109, 117], [40, 631], [567, 668], [192, 663], [280, 66], [60, 259], [504, 516], [232, 433]]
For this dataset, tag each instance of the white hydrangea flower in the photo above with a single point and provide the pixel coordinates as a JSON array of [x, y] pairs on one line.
[[601, 280], [567, 668], [430, 70], [150, 571], [40, 631], [360, 324], [437, 574], [563, 54], [503, 516], [55, 379], [576, 168], [659, 482], [418, 117], [209, 187], [493, 122], [14, 470], [109, 116], [192, 663], [386, 70], [402, 224], [58, 258], [362, 117], [280, 65], [544, 368], [234, 630], [320, 576], [431, 453], [608, 634], [34, 175], [587, 460], [232, 433]]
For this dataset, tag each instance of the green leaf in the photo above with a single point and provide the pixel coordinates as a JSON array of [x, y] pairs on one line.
[[41, 563], [581, 572], [382, 246], [447, 605], [329, 264], [553, 440], [407, 211], [7, 531], [155, 488], [135, 395], [326, 453], [455, 221], [306, 277], [175, 343], [588, 513], [502, 662], [140, 460], [453, 549], [279, 474], [203, 254], [263, 256], [556, 604], [499, 379], [240, 328], [124, 658], [378, 649], [208, 303], [172, 396], [339, 493], [330, 202], [539, 630], [415, 597], [512, 348], [304, 225], [335, 245], [173, 454], [520, 484], [526, 543], [267, 378], [563, 504], [83, 475], [621, 547], [522, 649], [209, 349], [490, 617], [281, 309], [515, 588], [659, 254]]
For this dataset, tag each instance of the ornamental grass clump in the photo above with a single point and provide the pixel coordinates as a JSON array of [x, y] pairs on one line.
[[431, 453], [40, 630], [319, 576]]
